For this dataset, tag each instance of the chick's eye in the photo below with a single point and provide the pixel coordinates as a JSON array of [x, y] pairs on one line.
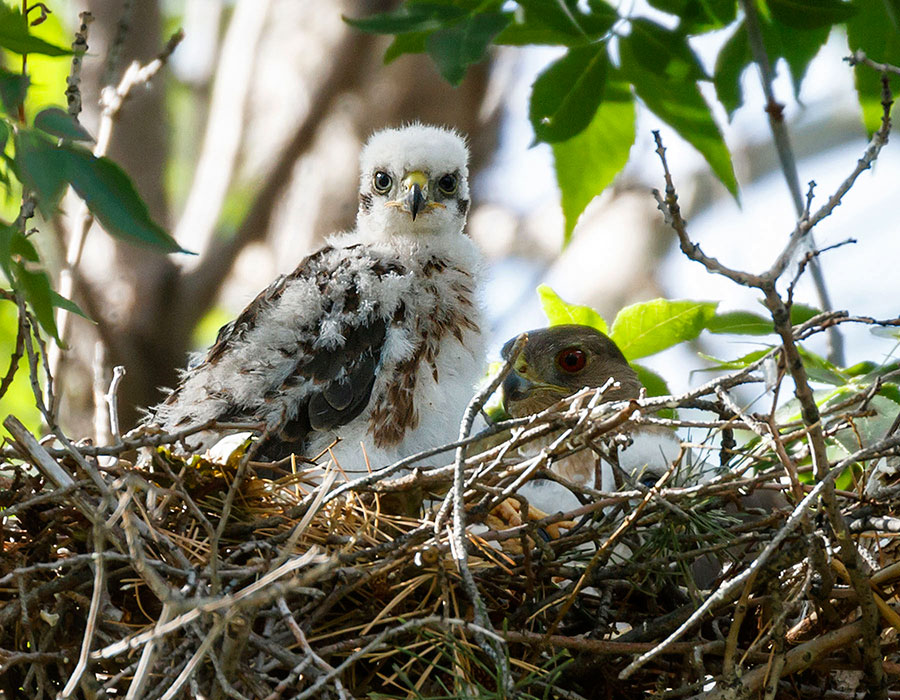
[[571, 360], [381, 181], [448, 184]]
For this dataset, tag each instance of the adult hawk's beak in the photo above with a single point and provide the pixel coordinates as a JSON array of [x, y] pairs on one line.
[[516, 388], [525, 392], [415, 186]]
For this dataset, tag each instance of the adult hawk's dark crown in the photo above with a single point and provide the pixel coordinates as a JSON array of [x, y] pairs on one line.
[[375, 338]]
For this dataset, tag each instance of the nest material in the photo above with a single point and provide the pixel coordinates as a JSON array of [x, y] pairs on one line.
[[196, 579]]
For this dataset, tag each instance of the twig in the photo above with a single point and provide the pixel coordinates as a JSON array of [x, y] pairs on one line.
[[73, 80], [775, 111], [393, 633], [859, 56], [458, 531], [93, 613], [114, 54], [729, 589], [112, 401], [16, 356], [211, 638]]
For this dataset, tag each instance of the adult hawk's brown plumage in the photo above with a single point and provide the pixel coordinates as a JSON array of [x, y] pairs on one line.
[[375, 338], [555, 363]]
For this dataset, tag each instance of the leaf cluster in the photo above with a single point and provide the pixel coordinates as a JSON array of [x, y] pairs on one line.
[[583, 104], [42, 157]]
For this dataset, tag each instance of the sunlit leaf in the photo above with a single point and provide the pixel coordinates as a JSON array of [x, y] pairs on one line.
[[566, 95], [648, 327], [586, 163], [560, 312], [821, 370], [875, 29], [739, 363], [410, 42], [6, 236], [655, 386], [801, 313], [557, 23], [741, 323], [57, 122], [15, 37]]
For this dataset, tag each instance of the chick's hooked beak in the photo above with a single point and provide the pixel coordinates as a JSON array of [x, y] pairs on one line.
[[415, 188]]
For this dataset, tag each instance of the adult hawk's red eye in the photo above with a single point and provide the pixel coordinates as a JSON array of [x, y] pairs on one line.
[[571, 360]]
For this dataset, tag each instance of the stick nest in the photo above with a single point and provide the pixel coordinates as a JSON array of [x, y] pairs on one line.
[[189, 578]]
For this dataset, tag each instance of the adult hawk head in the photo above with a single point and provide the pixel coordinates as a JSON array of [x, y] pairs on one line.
[[555, 363], [373, 339]]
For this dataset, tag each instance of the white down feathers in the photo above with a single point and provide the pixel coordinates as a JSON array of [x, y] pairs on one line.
[[383, 272]]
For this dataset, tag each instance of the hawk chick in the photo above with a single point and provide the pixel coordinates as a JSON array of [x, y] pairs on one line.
[[374, 338]]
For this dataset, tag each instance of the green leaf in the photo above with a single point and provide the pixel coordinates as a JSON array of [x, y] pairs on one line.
[[13, 88], [733, 59], [653, 382], [797, 46], [7, 233], [681, 106], [60, 123], [821, 370], [61, 302], [410, 42], [566, 95], [699, 16], [648, 327], [15, 37], [810, 14], [455, 48], [409, 17], [739, 363], [655, 386], [521, 34], [586, 163], [33, 282], [41, 168], [559, 312], [876, 30], [663, 51], [890, 391], [741, 323], [801, 313], [556, 23], [112, 199]]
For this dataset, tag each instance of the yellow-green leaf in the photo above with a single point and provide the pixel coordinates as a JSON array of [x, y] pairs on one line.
[[652, 326], [560, 312]]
